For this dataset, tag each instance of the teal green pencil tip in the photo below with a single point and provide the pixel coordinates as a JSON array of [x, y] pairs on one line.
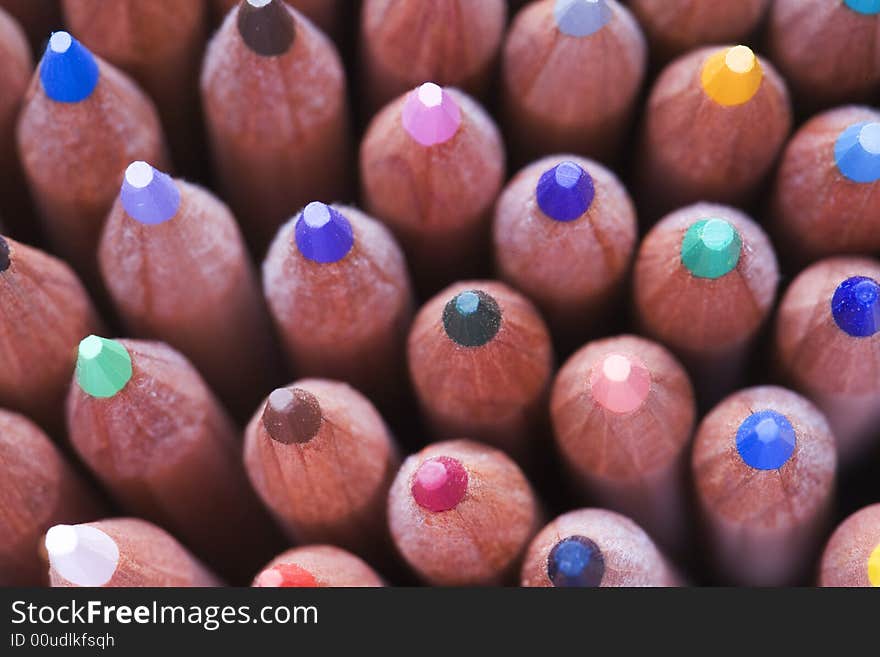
[[711, 248], [103, 366]]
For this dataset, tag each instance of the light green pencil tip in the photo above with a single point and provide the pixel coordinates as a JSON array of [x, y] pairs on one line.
[[103, 366], [711, 248]]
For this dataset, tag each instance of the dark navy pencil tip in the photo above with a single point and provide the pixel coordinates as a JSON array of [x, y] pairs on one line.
[[68, 71], [323, 234], [575, 561]]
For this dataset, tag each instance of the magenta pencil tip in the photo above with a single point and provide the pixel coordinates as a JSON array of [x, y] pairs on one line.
[[430, 115]]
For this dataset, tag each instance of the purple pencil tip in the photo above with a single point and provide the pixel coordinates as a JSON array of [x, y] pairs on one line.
[[580, 18], [322, 234], [430, 115], [148, 195], [565, 192]]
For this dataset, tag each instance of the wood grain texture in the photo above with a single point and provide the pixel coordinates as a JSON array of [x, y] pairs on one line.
[[570, 94], [845, 560], [481, 541], [764, 527]]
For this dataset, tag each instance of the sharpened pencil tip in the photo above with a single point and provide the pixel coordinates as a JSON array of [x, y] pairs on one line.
[[148, 195], [619, 383], [471, 318], [292, 415], [766, 440], [439, 484], [4, 255], [580, 18], [855, 306], [81, 554], [711, 248], [323, 234], [68, 71], [857, 152], [565, 192], [266, 26], [576, 561], [287, 575], [867, 7], [430, 115], [103, 367], [732, 76]]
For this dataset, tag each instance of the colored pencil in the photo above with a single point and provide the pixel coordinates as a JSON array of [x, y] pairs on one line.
[[124, 552], [37, 17], [764, 466], [715, 122], [326, 14], [165, 239], [314, 566], [452, 42], [826, 49], [824, 202], [44, 312], [72, 161], [432, 164], [480, 360], [16, 66], [462, 514], [159, 44], [704, 283], [852, 556], [623, 414], [828, 347], [564, 234], [38, 489], [274, 97], [572, 71], [594, 547], [340, 296], [147, 426], [676, 26], [322, 460]]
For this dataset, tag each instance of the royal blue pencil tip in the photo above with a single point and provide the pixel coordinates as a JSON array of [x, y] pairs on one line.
[[148, 195], [564, 192], [322, 234], [575, 561], [580, 18], [857, 152], [869, 7], [68, 71], [855, 306], [765, 440]]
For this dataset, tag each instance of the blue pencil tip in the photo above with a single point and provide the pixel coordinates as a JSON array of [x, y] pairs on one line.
[[857, 152], [868, 7], [322, 234], [575, 561], [68, 71], [855, 306], [580, 18], [565, 192], [765, 440], [148, 195]]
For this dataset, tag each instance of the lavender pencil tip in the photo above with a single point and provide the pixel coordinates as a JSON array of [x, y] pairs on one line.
[[148, 195]]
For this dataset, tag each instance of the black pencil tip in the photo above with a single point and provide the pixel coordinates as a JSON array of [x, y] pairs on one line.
[[266, 26], [471, 318], [4, 255], [292, 415]]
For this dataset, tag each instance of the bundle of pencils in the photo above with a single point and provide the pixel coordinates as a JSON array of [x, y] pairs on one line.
[[316, 293]]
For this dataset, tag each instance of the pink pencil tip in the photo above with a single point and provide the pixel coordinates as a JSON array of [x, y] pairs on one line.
[[430, 115], [620, 383]]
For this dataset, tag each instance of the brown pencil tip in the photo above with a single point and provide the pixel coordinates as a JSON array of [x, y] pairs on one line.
[[292, 415], [4, 255], [266, 26]]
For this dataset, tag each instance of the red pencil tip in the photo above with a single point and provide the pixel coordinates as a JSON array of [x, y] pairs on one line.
[[440, 484], [292, 415], [286, 575]]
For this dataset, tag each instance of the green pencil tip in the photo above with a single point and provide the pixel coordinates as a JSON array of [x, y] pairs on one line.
[[710, 248], [103, 366]]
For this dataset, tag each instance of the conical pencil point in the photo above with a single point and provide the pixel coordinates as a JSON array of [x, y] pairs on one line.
[[620, 383], [323, 234], [148, 195], [711, 248], [732, 76], [68, 71], [874, 567], [765, 440], [440, 484], [292, 415], [867, 7], [266, 26], [4, 255], [580, 18], [431, 115], [471, 318], [576, 561], [855, 306], [103, 367], [565, 192], [81, 554], [857, 152], [287, 575]]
